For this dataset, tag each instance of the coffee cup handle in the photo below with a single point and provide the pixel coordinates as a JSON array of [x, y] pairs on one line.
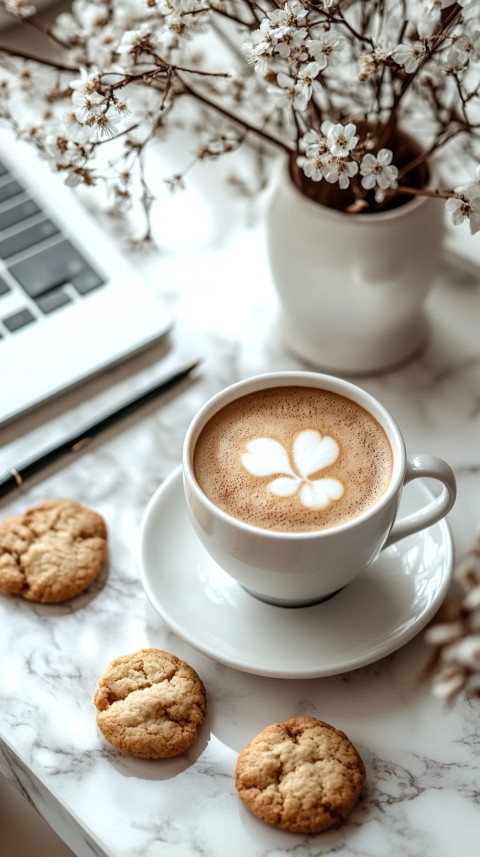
[[435, 468]]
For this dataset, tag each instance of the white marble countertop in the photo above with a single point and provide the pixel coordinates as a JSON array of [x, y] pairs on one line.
[[422, 759]]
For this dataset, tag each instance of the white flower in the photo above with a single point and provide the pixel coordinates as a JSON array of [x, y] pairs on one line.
[[426, 14], [314, 161], [456, 60], [259, 50], [311, 453], [372, 61], [340, 170], [279, 34], [449, 681], [291, 16], [33, 81], [291, 43], [312, 167], [310, 142], [86, 97], [87, 106], [470, 9], [473, 188], [20, 8], [378, 170], [465, 652], [468, 46], [106, 124], [327, 49], [474, 215], [471, 601], [66, 145], [146, 106], [217, 143], [409, 56], [341, 139], [457, 209], [67, 28], [306, 80], [434, 7], [461, 209], [292, 91], [136, 44], [87, 83], [296, 11], [319, 162], [444, 633]]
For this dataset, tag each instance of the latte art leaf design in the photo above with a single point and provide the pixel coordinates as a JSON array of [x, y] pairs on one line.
[[311, 453], [266, 456]]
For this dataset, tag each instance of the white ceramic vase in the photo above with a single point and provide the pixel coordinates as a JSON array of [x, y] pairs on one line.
[[352, 287]]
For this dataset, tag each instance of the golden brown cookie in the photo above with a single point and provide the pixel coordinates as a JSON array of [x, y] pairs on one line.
[[53, 552], [301, 775], [151, 704]]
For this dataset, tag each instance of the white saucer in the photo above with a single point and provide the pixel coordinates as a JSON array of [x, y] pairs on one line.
[[376, 614]]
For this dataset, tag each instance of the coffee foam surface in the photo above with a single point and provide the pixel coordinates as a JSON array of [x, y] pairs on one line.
[[293, 459]]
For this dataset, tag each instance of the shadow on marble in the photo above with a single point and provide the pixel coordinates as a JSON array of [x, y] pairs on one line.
[[334, 840], [65, 608], [158, 769]]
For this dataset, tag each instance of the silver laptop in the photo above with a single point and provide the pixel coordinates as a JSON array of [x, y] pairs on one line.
[[70, 306]]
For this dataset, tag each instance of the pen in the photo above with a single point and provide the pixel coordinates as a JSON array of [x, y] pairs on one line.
[[17, 475]]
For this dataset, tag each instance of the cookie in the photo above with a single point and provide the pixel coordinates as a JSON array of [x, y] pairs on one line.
[[53, 552], [150, 704], [301, 775]]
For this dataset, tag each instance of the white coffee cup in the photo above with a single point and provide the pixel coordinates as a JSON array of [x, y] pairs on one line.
[[301, 568]]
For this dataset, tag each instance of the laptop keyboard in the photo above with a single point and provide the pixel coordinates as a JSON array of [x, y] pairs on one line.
[[40, 269]]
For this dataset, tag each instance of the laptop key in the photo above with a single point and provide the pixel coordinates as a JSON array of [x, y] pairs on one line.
[[18, 213], [18, 319], [48, 268], [27, 238], [10, 189], [4, 288], [87, 281], [53, 300]]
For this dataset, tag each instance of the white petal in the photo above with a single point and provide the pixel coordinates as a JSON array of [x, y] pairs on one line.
[[368, 182], [284, 80], [319, 494], [369, 162], [385, 156], [284, 486], [474, 224], [312, 452], [265, 457]]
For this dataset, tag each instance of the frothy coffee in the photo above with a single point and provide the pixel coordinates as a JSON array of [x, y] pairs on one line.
[[293, 459]]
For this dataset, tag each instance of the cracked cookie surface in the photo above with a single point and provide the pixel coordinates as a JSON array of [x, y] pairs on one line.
[[150, 704], [302, 775], [53, 552]]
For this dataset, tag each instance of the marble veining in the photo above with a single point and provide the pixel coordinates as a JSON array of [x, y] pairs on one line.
[[422, 759]]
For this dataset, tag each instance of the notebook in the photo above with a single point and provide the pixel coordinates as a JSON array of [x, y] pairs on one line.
[[70, 305]]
